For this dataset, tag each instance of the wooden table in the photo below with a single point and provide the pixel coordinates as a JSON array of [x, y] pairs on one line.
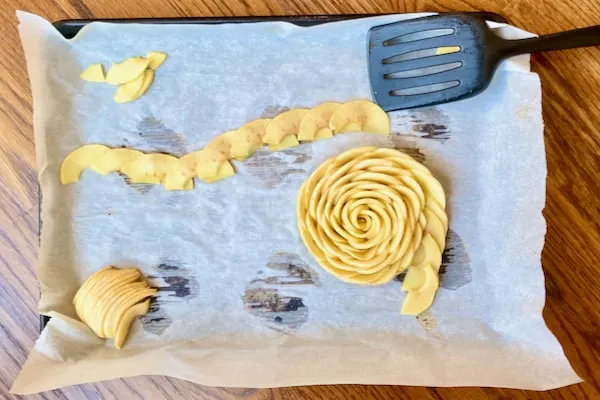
[[571, 103]]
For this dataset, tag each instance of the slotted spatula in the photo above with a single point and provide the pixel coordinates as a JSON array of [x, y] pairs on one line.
[[442, 58]]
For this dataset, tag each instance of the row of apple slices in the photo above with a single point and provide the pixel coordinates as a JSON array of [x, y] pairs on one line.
[[212, 163]]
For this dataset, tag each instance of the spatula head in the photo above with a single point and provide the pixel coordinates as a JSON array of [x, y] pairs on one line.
[[430, 60]]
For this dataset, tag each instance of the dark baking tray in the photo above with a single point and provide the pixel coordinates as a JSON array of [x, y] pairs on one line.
[[70, 27]]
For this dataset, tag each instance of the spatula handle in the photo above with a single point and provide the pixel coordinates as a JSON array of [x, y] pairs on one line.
[[565, 40]]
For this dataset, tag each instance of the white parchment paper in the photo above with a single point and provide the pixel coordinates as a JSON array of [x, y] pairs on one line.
[[242, 302]]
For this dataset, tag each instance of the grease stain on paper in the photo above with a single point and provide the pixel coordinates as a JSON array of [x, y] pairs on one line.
[[427, 320], [160, 138], [273, 111], [154, 136], [406, 146], [273, 168], [276, 295], [426, 123], [175, 283]]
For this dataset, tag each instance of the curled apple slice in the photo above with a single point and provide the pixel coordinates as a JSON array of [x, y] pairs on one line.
[[360, 116], [148, 168], [286, 143], [315, 123], [78, 160], [127, 70], [127, 320], [93, 73], [156, 59], [113, 159], [419, 300], [285, 124]]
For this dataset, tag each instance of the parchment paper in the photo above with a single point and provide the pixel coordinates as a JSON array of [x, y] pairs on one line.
[[242, 302]]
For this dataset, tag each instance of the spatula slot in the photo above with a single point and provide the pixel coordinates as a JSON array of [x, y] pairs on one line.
[[414, 36], [413, 73], [413, 55], [436, 87]]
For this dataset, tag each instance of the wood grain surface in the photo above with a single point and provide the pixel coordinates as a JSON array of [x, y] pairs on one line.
[[571, 106]]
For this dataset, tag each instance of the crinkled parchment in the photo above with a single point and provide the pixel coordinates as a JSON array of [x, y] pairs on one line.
[[241, 301]]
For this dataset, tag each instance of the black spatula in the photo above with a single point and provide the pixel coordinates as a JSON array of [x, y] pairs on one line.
[[443, 58]]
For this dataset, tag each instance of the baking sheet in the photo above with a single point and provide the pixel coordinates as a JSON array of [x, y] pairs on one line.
[[242, 303]]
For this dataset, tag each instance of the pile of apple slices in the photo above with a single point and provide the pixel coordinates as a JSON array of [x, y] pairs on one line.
[[134, 75], [212, 163], [111, 299]]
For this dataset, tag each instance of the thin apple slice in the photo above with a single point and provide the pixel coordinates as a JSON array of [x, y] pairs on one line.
[[125, 323], [360, 116], [225, 171], [113, 159], [419, 300], [148, 168], [315, 123], [285, 124], [78, 160], [286, 143], [93, 73], [156, 59], [127, 70]]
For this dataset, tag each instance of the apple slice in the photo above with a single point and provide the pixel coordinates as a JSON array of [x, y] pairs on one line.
[[286, 143], [127, 70], [360, 116], [315, 124], [248, 139], [285, 124], [113, 159], [156, 59], [93, 73], [123, 299], [431, 187], [225, 171], [414, 279], [78, 160], [129, 91], [222, 143], [419, 300], [204, 163], [148, 78], [179, 176], [428, 253], [148, 168], [435, 228], [127, 320]]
